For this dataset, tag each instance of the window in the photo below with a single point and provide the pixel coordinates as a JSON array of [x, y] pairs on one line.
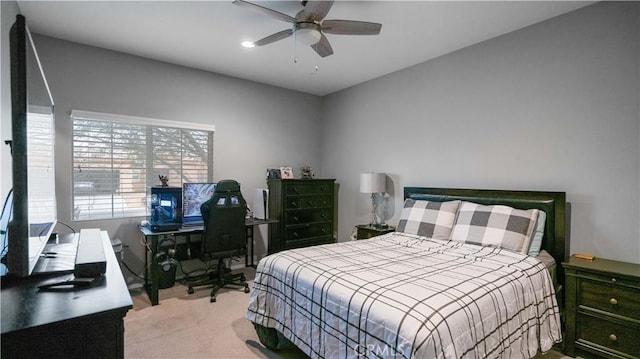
[[41, 174], [117, 158]]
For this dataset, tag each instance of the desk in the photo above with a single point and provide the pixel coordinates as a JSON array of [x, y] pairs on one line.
[[151, 243], [80, 323]]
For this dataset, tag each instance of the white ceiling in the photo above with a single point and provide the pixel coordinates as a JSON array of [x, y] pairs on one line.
[[207, 34]]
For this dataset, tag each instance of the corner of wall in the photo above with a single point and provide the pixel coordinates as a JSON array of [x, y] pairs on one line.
[[8, 12]]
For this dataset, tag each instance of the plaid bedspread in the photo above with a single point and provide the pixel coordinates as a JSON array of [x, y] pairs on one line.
[[401, 296]]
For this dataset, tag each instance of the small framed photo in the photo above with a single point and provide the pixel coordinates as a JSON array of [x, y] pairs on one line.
[[286, 172]]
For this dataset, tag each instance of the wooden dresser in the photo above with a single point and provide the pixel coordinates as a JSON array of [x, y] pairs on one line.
[[69, 323], [304, 210], [602, 308]]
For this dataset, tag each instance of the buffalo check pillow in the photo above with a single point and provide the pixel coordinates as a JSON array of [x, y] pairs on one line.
[[427, 218], [497, 226]]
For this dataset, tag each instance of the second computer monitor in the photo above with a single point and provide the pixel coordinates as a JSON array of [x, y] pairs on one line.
[[193, 195]]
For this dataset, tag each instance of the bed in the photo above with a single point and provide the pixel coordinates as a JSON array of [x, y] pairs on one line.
[[409, 295]]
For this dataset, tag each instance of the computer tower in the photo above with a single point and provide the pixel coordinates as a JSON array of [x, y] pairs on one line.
[[164, 208], [261, 203]]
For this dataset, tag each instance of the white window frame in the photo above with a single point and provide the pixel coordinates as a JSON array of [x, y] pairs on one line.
[[113, 204]]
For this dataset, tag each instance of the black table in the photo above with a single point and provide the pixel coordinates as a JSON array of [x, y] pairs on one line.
[[78, 323], [151, 240]]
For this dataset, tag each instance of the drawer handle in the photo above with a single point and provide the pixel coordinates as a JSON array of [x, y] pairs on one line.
[[309, 203], [613, 280], [293, 204], [613, 337], [613, 301], [295, 234], [295, 218]]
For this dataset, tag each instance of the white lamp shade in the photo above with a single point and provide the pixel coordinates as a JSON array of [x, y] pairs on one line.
[[373, 182]]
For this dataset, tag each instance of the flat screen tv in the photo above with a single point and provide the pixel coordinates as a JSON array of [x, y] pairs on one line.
[[193, 195], [32, 148]]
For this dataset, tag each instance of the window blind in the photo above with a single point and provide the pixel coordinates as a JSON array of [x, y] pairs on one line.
[[116, 159], [41, 178]]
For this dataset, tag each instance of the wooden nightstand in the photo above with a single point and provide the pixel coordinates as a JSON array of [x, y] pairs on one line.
[[365, 231], [602, 308]]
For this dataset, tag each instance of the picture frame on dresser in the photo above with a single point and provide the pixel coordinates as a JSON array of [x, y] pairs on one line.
[[286, 173]]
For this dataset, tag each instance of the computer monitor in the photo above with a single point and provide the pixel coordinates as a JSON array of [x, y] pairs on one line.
[[193, 195]]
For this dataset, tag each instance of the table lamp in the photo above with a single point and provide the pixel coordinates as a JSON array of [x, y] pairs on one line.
[[373, 183]]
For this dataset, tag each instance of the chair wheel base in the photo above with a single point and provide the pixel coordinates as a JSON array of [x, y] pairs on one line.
[[246, 290], [191, 291]]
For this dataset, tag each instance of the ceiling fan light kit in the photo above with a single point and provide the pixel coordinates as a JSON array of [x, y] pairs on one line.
[[309, 27], [307, 33]]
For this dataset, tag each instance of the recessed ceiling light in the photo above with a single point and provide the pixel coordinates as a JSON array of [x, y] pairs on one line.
[[248, 44]]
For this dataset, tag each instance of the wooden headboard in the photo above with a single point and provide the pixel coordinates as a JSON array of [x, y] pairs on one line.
[[553, 203]]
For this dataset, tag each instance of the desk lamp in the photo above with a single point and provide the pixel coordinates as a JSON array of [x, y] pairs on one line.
[[373, 183]]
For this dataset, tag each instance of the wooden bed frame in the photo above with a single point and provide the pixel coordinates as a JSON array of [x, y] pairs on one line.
[[554, 240], [553, 203]]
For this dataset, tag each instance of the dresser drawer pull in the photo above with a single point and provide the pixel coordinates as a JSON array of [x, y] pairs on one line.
[[613, 337], [613, 301], [295, 218], [613, 280]]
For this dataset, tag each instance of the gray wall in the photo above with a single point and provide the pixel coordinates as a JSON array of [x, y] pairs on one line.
[[8, 12], [257, 126], [550, 107]]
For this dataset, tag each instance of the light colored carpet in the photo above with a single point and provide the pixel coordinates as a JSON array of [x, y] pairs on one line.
[[189, 326]]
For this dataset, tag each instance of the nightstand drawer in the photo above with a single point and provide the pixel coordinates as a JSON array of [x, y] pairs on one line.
[[613, 335], [610, 298], [365, 231]]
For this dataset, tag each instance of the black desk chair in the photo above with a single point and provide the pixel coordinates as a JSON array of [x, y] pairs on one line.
[[224, 236]]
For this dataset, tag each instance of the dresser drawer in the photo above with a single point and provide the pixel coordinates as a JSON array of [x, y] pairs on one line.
[[301, 217], [307, 231], [302, 202], [614, 299], [306, 242], [618, 336], [309, 188]]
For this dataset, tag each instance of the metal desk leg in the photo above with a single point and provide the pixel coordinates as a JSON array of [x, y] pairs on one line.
[[246, 256], [150, 275]]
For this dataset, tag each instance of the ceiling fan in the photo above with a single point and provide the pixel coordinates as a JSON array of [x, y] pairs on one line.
[[309, 26]]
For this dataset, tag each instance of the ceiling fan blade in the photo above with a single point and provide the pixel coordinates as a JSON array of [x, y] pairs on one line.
[[316, 10], [350, 27], [275, 37], [265, 11], [323, 47]]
